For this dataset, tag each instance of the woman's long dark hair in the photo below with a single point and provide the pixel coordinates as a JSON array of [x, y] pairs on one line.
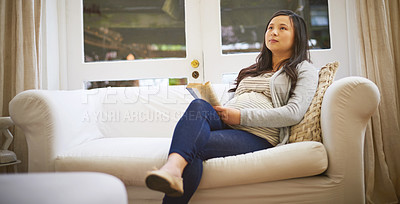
[[264, 59]]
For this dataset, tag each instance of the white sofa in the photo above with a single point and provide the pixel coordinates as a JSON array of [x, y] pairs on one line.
[[127, 131]]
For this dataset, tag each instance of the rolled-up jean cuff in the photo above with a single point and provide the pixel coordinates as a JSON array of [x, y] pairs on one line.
[[187, 157]]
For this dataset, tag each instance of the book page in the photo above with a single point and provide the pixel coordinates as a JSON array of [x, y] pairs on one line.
[[209, 94], [203, 91]]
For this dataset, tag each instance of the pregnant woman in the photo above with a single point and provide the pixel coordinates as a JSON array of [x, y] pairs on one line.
[[270, 96]]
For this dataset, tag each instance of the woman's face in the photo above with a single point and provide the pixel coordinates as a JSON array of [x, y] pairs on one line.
[[279, 37]]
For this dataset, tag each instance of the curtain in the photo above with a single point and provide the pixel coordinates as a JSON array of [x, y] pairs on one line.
[[379, 60], [20, 67]]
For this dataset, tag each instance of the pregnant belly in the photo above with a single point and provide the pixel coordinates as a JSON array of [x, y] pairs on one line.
[[259, 101], [250, 100]]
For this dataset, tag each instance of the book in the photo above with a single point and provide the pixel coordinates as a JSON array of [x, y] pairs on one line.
[[203, 91]]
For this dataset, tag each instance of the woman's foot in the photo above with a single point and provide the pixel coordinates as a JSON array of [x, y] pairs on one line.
[[163, 181], [169, 178]]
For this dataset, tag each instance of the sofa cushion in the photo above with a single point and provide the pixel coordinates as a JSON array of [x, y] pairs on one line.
[[130, 158]]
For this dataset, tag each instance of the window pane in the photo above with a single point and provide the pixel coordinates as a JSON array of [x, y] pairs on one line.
[[133, 29], [243, 22], [136, 83]]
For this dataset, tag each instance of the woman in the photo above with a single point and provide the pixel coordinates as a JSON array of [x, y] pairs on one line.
[[270, 96]]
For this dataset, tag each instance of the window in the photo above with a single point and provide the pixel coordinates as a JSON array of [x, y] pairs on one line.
[[130, 30], [135, 83], [243, 22]]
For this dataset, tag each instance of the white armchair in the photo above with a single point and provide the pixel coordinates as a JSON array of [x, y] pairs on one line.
[[127, 131]]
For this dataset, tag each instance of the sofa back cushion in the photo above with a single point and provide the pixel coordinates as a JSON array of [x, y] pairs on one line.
[[149, 111]]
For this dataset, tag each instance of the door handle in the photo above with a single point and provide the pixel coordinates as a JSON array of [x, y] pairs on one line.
[[195, 63]]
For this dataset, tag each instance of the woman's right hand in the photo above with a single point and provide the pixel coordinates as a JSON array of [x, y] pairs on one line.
[[229, 116]]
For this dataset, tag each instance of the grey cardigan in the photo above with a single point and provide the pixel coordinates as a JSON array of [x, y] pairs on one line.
[[287, 111]]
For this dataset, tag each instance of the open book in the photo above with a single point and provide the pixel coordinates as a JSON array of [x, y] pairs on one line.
[[203, 91]]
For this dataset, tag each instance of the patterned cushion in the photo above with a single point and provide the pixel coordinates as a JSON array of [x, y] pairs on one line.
[[309, 129]]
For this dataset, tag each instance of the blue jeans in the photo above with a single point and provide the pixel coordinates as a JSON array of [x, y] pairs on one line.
[[200, 135]]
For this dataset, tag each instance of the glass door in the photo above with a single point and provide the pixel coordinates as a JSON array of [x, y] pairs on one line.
[[122, 40], [235, 33], [201, 40]]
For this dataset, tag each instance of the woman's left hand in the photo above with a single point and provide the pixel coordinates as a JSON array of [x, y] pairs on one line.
[[229, 116]]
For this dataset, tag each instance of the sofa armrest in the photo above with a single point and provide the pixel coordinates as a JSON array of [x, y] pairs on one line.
[[53, 122], [347, 106], [62, 188]]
